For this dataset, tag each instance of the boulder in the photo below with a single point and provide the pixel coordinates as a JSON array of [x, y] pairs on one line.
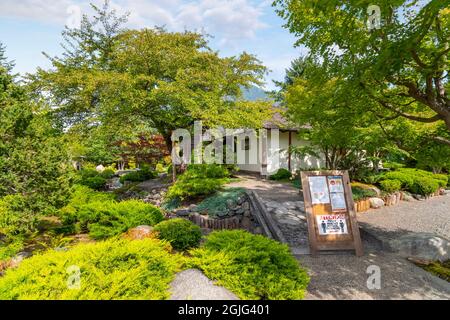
[[100, 168], [139, 233], [376, 203], [426, 246], [407, 197]]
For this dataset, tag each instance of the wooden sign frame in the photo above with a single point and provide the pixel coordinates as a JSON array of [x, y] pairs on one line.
[[319, 242]]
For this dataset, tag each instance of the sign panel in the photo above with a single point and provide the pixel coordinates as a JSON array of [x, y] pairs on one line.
[[330, 211], [335, 184], [332, 224], [319, 190]]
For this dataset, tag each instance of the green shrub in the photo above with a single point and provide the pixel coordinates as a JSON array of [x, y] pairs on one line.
[[107, 219], [442, 179], [193, 188], [110, 270], [88, 173], [424, 186], [360, 193], [281, 174], [107, 173], [218, 203], [198, 180], [391, 185], [252, 266], [95, 183], [10, 247], [417, 181], [16, 216], [182, 234], [405, 178], [207, 171], [141, 175], [393, 165]]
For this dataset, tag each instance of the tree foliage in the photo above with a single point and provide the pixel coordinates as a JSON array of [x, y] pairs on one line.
[[403, 66], [120, 78], [32, 162]]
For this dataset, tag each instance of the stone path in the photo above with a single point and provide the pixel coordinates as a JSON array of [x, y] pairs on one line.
[[192, 284], [285, 204]]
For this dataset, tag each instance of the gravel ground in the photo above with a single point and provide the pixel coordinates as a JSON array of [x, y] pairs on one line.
[[429, 216], [344, 277], [192, 284]]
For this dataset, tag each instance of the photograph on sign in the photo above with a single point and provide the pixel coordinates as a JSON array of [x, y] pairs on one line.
[[335, 183], [319, 190], [338, 201], [331, 224]]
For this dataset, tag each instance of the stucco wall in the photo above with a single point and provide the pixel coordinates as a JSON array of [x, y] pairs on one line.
[[277, 155]]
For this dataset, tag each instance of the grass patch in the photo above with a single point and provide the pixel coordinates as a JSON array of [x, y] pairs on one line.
[[440, 269]]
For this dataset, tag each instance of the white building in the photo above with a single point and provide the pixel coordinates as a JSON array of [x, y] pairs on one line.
[[273, 145]]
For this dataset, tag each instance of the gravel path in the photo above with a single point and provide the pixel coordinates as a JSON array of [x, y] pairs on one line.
[[192, 284], [344, 277], [429, 216]]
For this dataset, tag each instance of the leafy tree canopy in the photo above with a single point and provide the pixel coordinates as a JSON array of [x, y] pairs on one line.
[[402, 66], [121, 78]]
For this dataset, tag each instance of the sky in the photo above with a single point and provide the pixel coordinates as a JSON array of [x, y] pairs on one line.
[[29, 27]]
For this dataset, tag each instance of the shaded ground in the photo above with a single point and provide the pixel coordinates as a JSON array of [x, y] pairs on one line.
[[344, 276], [192, 284], [267, 189]]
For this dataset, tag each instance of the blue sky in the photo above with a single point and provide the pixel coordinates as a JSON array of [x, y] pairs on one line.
[[28, 27]]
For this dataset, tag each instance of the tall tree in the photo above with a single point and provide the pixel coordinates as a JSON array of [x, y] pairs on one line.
[[117, 77], [32, 162], [402, 66]]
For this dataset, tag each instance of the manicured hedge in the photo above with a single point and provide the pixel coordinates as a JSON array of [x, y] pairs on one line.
[[251, 266], [390, 185], [113, 269], [182, 234], [414, 180]]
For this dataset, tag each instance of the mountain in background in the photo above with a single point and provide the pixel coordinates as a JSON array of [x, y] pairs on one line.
[[255, 93]]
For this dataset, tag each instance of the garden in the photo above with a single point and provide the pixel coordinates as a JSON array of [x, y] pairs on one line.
[[92, 205]]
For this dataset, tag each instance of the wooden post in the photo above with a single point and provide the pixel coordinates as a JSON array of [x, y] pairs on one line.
[[289, 151]]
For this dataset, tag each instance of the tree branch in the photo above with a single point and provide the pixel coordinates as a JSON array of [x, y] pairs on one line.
[[442, 140]]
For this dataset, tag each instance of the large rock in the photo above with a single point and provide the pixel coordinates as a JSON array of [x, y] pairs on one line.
[[100, 168], [192, 284], [139, 233], [376, 203], [424, 246]]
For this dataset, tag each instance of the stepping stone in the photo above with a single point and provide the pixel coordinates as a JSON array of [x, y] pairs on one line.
[[192, 284]]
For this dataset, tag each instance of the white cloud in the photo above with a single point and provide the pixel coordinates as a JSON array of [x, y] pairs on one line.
[[230, 21]]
